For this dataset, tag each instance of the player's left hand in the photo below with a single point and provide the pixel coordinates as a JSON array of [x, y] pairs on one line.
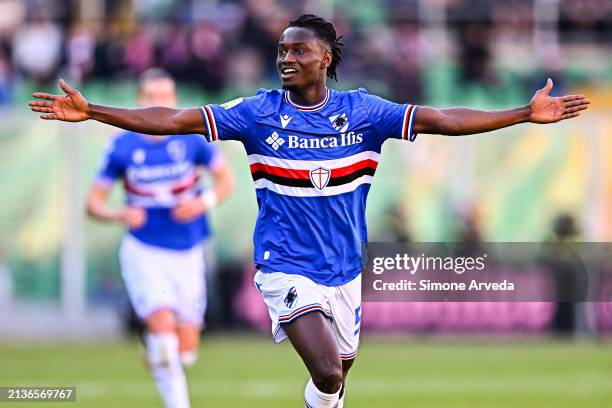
[[188, 210], [548, 109]]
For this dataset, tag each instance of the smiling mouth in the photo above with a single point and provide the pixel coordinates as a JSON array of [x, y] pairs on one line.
[[287, 72]]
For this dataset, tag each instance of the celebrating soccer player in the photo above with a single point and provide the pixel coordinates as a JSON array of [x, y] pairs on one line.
[[162, 256], [313, 152]]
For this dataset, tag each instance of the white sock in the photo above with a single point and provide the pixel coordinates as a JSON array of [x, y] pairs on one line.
[[341, 400], [167, 369], [317, 399], [189, 358]]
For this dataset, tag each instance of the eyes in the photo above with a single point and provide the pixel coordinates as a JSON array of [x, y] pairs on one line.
[[299, 51]]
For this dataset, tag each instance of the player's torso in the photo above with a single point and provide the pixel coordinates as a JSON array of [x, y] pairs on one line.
[[312, 170], [159, 173], [325, 151]]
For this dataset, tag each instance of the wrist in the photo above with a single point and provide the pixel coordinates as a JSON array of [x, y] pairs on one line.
[[117, 216], [525, 113], [209, 199], [89, 114]]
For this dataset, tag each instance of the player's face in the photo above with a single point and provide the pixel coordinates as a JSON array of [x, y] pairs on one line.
[[157, 92], [302, 59]]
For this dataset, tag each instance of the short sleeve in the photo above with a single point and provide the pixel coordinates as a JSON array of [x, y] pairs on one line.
[[392, 120], [229, 121], [207, 155], [111, 168]]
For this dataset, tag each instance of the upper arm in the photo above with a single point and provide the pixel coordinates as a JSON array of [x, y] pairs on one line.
[[189, 121], [430, 120], [112, 166], [211, 158], [98, 194], [221, 172]]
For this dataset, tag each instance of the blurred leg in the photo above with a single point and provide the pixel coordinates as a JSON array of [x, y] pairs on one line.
[[164, 359], [189, 340]]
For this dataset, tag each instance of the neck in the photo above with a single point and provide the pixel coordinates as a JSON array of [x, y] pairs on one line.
[[309, 96]]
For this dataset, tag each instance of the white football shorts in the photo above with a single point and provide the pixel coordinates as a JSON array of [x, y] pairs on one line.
[[159, 278], [290, 296]]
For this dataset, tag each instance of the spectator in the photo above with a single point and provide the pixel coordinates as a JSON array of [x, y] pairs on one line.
[[37, 47]]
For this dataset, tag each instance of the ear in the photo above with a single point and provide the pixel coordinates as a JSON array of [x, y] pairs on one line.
[[327, 59]]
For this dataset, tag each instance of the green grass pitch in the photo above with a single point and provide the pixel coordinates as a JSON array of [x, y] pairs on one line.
[[248, 371]]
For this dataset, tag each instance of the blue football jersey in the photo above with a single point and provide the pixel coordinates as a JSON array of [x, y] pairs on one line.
[[157, 174], [312, 167]]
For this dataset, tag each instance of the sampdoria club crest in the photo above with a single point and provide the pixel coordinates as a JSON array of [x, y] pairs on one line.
[[320, 177]]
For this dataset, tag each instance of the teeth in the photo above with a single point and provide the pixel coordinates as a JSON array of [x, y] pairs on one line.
[[289, 70]]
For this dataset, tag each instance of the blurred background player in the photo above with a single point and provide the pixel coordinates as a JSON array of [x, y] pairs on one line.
[[162, 255]]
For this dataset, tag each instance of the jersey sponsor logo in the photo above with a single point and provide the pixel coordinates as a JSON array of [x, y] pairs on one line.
[[139, 156], [285, 119], [232, 103], [342, 140], [163, 171], [176, 150], [275, 140], [320, 177], [291, 298], [340, 122]]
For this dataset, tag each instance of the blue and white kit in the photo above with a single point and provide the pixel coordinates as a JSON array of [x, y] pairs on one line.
[[312, 167], [163, 261]]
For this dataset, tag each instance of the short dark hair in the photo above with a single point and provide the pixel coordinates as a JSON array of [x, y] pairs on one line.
[[152, 74], [324, 31]]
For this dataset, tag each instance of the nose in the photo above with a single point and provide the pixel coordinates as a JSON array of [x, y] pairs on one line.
[[288, 57]]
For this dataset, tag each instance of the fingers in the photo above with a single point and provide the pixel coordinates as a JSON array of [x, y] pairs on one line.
[[42, 109], [548, 87], [39, 103], [67, 88], [41, 106], [575, 109], [570, 115], [49, 116], [43, 95], [568, 98], [576, 102]]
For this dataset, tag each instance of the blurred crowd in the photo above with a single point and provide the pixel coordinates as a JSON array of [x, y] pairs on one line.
[[220, 44]]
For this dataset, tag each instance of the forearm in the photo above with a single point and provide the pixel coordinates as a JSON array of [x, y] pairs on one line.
[[103, 212], [151, 121], [224, 188], [465, 121], [224, 182]]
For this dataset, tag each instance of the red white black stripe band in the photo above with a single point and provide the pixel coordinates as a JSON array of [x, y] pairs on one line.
[[407, 132], [349, 356], [308, 108], [314, 307], [209, 121], [294, 178], [301, 178]]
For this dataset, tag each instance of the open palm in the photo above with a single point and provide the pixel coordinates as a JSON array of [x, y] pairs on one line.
[[549, 109], [71, 107]]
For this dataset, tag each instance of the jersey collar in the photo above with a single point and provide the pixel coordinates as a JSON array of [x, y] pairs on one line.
[[308, 108]]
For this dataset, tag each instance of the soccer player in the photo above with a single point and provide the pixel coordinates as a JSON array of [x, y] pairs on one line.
[[162, 256], [313, 151]]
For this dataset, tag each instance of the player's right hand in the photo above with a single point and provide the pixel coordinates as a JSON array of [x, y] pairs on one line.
[[71, 107], [133, 217]]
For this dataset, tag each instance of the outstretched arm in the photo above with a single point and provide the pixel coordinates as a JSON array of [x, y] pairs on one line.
[[463, 121], [73, 107]]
